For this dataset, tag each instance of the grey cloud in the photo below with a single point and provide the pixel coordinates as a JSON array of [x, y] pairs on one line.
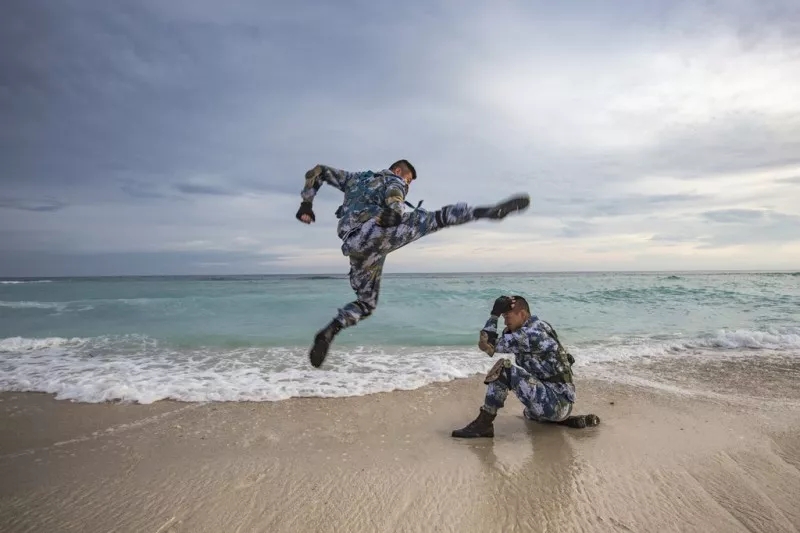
[[642, 204], [577, 228], [727, 144], [236, 187], [128, 90], [195, 188], [621, 205], [171, 89], [179, 190], [142, 190], [740, 216], [44, 264], [752, 21], [727, 227], [795, 179], [142, 97], [668, 238], [32, 204], [754, 227]]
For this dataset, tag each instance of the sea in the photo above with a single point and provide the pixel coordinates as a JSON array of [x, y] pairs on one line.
[[246, 338]]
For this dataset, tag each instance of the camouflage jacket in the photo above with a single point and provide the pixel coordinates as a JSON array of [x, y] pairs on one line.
[[366, 194], [536, 350]]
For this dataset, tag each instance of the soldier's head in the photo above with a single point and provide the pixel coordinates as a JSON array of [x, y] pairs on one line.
[[519, 313], [405, 170]]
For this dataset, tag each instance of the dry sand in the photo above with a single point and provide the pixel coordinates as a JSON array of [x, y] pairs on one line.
[[659, 461]]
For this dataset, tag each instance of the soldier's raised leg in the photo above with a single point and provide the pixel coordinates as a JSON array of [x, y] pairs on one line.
[[411, 226]]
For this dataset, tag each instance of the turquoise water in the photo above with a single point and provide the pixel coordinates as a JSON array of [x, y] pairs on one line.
[[246, 338]]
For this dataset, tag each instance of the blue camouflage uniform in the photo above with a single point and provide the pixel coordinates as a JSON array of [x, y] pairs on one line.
[[366, 195], [542, 376]]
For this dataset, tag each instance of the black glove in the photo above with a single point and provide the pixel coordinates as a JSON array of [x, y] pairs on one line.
[[305, 209], [389, 217], [501, 305]]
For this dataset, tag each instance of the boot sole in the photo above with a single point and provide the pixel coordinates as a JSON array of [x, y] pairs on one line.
[[319, 351], [592, 420], [514, 204], [580, 422], [457, 435]]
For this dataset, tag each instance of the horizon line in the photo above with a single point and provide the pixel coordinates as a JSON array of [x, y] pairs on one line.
[[451, 273]]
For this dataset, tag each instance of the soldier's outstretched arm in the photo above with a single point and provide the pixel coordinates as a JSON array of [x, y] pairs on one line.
[[314, 179], [320, 174]]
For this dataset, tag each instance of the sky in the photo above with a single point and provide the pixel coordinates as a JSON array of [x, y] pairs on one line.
[[156, 137]]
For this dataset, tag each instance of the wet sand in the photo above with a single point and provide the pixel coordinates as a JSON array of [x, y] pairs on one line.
[[659, 461]]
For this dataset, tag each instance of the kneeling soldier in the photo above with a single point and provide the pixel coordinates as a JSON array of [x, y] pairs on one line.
[[541, 378]]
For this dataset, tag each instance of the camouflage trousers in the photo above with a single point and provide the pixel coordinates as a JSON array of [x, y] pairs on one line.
[[368, 246], [541, 402]]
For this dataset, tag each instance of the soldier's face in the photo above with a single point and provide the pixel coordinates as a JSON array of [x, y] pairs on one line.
[[405, 175], [514, 319]]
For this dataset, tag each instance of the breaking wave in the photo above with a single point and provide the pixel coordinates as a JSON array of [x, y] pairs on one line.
[[141, 369]]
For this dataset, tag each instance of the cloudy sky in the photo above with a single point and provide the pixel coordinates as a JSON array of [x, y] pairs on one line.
[[155, 137]]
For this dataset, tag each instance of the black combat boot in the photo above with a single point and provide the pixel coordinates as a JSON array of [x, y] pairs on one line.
[[480, 427], [580, 421], [518, 202], [322, 342]]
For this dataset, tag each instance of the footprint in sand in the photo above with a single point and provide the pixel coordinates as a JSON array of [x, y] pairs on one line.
[[250, 480]]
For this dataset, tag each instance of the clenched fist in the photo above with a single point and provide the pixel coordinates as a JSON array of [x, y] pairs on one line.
[[486, 342], [305, 214]]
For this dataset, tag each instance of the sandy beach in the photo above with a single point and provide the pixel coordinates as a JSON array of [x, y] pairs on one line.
[[659, 461]]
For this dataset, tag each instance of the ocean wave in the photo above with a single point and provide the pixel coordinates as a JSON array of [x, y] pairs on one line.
[[59, 307], [724, 342], [86, 370], [142, 369], [671, 292], [21, 345], [20, 282], [773, 339], [678, 295]]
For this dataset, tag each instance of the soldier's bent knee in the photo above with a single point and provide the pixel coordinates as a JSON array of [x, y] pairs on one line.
[[498, 372]]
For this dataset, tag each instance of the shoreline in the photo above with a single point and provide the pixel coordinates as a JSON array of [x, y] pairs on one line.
[[658, 461]]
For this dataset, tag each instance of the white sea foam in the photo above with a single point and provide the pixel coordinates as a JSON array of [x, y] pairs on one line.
[[141, 369], [20, 345], [20, 282], [774, 339], [85, 370], [59, 306], [730, 342]]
